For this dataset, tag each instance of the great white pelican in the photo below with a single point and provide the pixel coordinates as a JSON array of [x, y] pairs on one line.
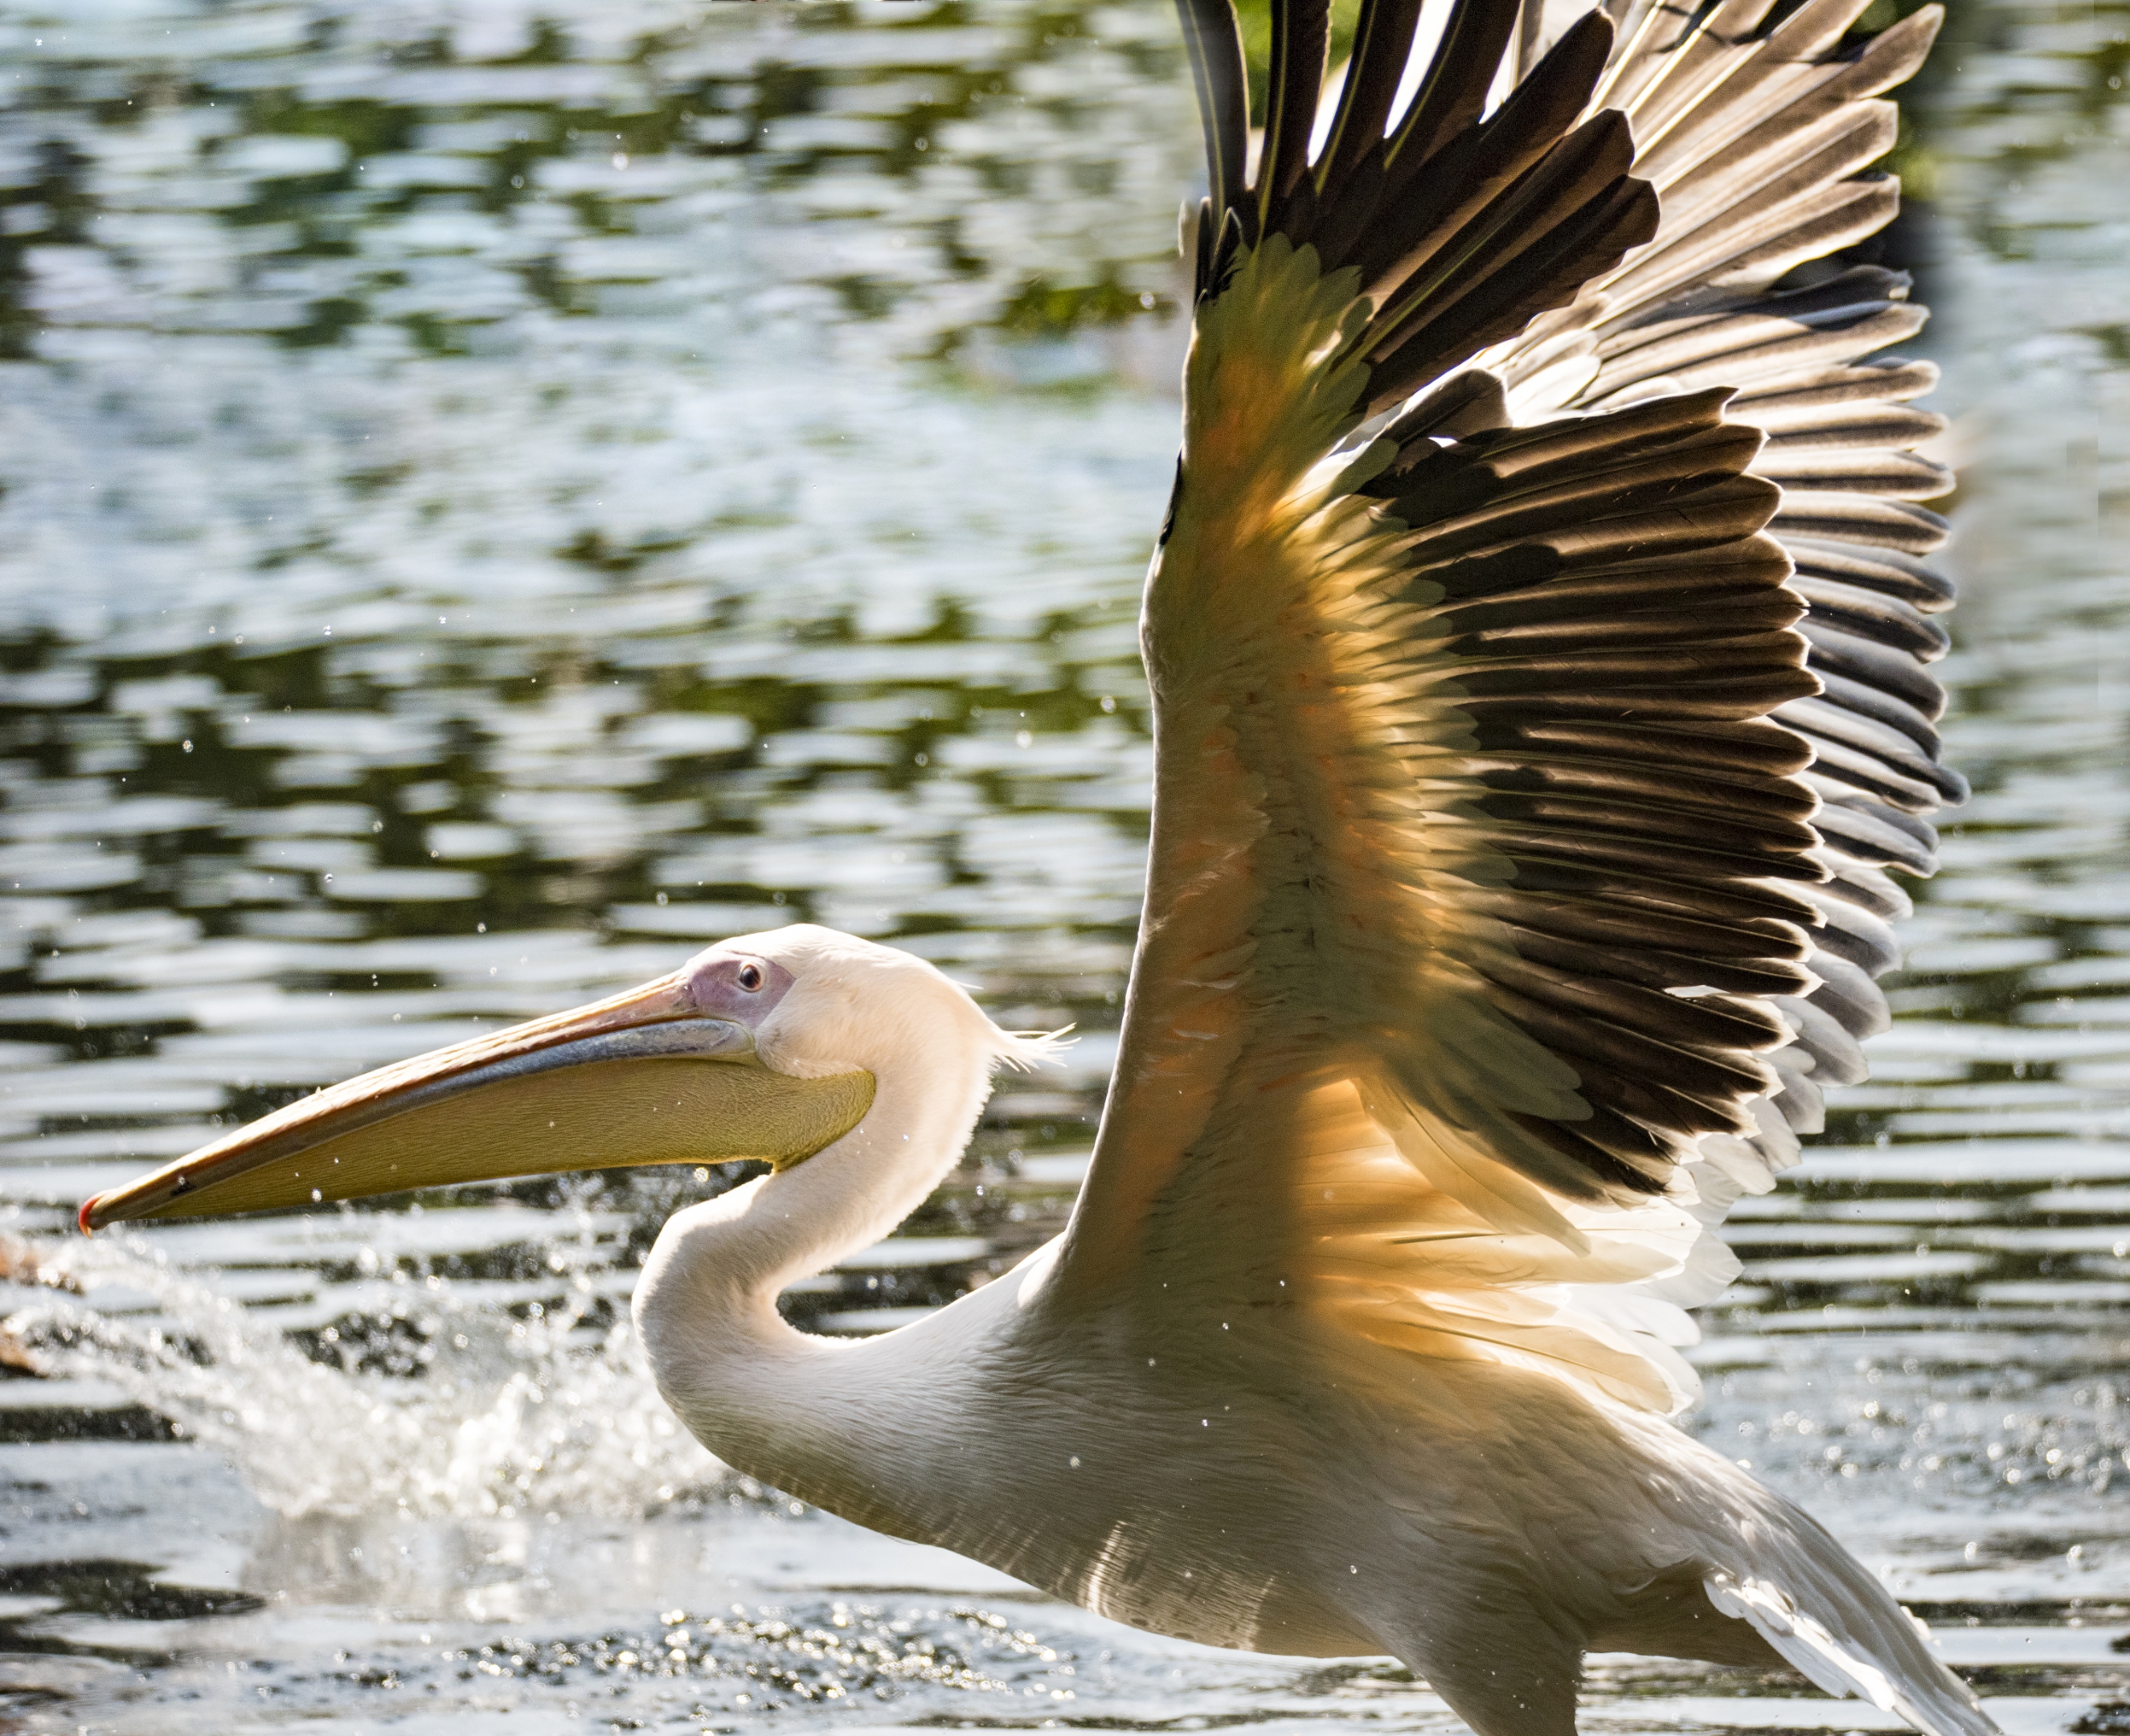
[[1537, 642]]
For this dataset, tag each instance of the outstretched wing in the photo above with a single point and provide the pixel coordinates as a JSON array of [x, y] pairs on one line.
[[1510, 870]]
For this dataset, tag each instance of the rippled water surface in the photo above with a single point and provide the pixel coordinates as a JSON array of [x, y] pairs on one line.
[[493, 498]]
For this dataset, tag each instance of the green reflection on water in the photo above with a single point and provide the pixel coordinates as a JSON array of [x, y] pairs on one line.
[[493, 503], [486, 514]]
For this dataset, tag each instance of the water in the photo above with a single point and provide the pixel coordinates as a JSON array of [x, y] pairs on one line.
[[493, 498]]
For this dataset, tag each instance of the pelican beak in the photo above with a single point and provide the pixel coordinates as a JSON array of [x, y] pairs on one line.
[[641, 1077]]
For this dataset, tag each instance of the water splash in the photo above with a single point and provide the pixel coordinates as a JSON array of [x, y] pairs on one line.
[[506, 1417]]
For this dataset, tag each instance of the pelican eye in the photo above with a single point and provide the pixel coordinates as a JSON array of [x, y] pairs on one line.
[[750, 977]]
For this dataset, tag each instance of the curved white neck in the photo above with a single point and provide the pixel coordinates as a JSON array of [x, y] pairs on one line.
[[724, 1359]]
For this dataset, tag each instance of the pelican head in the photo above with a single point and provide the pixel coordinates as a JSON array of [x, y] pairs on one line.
[[835, 1003], [767, 1046]]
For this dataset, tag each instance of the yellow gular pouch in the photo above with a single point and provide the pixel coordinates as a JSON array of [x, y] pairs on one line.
[[607, 1115]]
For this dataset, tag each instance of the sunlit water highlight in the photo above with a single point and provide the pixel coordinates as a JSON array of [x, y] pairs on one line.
[[489, 505]]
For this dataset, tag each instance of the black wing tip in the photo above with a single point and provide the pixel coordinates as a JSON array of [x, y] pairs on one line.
[[1368, 196], [1213, 42]]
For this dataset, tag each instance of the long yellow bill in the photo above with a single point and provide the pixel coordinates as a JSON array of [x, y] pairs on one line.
[[641, 1077]]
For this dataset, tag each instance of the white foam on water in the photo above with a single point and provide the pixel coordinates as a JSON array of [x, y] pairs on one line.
[[506, 1416]]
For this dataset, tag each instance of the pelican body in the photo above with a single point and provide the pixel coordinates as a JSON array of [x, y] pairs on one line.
[[1537, 642]]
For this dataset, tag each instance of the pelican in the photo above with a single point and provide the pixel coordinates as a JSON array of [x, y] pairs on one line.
[[1536, 639]]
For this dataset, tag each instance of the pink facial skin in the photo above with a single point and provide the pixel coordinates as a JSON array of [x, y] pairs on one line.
[[736, 985]]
